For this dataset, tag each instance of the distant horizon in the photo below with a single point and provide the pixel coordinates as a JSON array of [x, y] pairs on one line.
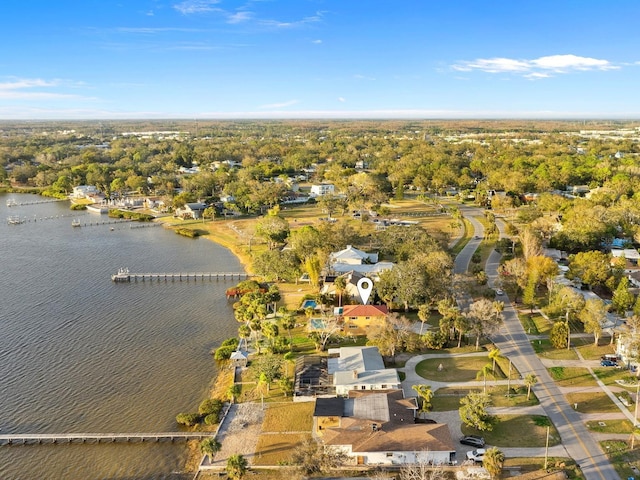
[[319, 59]]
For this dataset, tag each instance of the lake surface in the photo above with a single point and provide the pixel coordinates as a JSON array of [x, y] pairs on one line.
[[79, 353]]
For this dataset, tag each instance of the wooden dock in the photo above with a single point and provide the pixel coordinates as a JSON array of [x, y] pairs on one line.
[[62, 438], [124, 276]]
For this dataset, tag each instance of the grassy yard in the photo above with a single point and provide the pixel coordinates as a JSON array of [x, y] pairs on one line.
[[610, 426], [572, 377], [274, 449], [508, 431], [591, 352], [534, 466], [543, 348], [454, 369], [534, 323], [592, 402], [622, 457], [609, 375], [447, 399], [285, 426]]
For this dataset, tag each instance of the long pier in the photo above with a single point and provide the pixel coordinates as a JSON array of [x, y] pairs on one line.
[[13, 203], [61, 438], [124, 276]]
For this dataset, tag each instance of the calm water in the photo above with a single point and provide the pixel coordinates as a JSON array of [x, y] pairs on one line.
[[79, 353]]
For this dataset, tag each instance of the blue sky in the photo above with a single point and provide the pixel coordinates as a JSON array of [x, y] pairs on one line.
[[319, 59]]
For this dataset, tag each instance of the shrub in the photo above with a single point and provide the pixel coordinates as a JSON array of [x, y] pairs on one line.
[[188, 419], [224, 352], [212, 419], [210, 406]]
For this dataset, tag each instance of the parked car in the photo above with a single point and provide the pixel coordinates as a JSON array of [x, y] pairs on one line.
[[499, 292], [608, 363], [476, 455], [473, 441]]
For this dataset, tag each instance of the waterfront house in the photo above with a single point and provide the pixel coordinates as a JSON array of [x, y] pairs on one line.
[[378, 428], [191, 210], [322, 189]]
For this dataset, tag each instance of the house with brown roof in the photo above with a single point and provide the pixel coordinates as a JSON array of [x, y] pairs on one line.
[[378, 428], [358, 319]]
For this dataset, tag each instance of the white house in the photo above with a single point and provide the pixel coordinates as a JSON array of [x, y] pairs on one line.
[[82, 191], [191, 210], [360, 368], [353, 260], [322, 189]]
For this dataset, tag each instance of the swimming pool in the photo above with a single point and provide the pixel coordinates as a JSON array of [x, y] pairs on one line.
[[309, 303]]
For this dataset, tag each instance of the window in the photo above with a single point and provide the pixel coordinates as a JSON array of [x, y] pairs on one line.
[[384, 387], [389, 454], [353, 326], [363, 387]]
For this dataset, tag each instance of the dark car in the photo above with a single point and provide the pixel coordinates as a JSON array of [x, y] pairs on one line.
[[608, 363], [473, 441]]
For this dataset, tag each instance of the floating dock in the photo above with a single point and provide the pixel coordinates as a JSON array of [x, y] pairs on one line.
[[57, 438]]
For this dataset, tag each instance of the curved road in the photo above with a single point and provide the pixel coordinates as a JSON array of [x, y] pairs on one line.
[[515, 344]]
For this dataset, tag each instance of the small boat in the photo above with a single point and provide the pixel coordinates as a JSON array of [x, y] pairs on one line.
[[12, 202], [15, 220], [75, 223], [121, 276]]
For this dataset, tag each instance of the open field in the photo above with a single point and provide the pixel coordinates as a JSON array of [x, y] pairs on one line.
[[508, 429], [610, 426], [289, 417], [446, 399], [455, 369], [572, 377], [591, 402]]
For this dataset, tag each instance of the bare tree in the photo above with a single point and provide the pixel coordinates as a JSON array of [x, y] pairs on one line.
[[421, 470]]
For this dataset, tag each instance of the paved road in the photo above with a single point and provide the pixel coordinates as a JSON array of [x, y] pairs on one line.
[[514, 344]]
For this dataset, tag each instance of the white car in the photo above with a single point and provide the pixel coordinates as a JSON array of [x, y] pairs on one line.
[[476, 455], [499, 292]]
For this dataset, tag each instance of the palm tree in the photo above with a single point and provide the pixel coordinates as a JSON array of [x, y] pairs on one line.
[[493, 461], [426, 394], [530, 380], [210, 446], [484, 371], [423, 315], [494, 354], [341, 284], [236, 466]]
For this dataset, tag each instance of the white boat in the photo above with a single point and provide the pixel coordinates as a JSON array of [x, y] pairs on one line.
[[121, 276], [98, 208], [15, 220], [11, 202], [75, 223]]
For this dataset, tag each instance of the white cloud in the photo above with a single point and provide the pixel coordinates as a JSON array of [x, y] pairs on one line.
[[34, 89], [317, 42], [541, 67], [342, 99], [280, 105], [293, 24], [189, 7], [239, 17]]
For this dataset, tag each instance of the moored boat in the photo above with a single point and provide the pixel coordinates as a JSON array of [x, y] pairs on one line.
[[15, 220], [75, 223]]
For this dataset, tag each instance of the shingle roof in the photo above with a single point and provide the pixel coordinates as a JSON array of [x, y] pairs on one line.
[[396, 431], [364, 310]]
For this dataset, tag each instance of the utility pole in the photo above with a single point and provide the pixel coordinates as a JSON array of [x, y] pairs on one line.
[[546, 451]]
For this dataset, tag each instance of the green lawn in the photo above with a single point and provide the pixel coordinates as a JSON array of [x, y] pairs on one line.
[[572, 377], [543, 348], [591, 352], [609, 375], [289, 417], [454, 369], [592, 402], [610, 426], [534, 323], [508, 431], [622, 457], [447, 399]]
